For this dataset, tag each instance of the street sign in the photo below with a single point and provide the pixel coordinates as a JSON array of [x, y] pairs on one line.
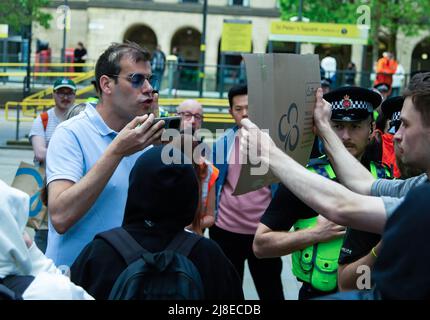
[[4, 30], [318, 32], [236, 36]]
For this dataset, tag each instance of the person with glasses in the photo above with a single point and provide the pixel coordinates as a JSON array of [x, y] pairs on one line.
[[43, 127], [91, 155], [64, 91], [191, 112]]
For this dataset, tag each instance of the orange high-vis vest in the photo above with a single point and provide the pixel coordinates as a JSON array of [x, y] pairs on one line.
[[388, 154]]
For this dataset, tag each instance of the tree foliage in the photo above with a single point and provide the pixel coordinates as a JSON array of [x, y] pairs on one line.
[[388, 17], [19, 13]]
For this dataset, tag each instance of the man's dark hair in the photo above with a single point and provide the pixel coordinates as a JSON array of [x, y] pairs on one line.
[[238, 90], [109, 61], [419, 91]]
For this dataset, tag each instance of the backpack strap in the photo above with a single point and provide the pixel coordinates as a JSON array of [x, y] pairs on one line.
[[184, 242], [44, 117], [7, 294], [15, 285], [123, 243]]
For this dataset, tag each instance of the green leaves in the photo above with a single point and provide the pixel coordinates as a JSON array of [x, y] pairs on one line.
[[387, 16], [18, 13]]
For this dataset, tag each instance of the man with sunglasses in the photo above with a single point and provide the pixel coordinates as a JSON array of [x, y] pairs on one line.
[[91, 155]]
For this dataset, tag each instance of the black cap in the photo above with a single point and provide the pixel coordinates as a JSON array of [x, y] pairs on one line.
[[352, 103], [382, 87], [391, 109], [325, 82]]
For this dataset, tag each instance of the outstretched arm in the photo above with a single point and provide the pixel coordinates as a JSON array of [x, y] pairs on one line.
[[350, 172], [326, 197]]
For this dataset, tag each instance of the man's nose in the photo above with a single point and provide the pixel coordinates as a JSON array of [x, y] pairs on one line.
[[345, 134], [146, 87], [398, 134]]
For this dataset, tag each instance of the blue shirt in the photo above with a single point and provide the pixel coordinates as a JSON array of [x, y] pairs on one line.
[[74, 148]]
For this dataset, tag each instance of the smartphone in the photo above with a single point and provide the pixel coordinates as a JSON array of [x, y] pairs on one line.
[[170, 122]]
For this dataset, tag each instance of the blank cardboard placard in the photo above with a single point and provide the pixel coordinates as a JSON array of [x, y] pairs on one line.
[[281, 94]]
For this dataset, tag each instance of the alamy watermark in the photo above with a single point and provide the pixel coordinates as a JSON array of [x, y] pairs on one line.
[[363, 21], [225, 152], [364, 280]]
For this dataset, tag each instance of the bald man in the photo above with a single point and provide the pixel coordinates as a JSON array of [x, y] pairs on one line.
[[191, 112]]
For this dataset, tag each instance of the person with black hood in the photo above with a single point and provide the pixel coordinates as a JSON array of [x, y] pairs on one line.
[[153, 222]]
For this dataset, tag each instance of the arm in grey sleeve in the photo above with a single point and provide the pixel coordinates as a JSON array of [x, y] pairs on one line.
[[396, 188], [391, 204]]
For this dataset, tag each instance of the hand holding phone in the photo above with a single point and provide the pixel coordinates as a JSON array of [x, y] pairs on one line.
[[170, 122]]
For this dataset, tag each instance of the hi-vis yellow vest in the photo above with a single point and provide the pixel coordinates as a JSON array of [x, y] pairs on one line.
[[318, 264]]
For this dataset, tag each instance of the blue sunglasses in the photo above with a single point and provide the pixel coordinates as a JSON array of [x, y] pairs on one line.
[[138, 79]]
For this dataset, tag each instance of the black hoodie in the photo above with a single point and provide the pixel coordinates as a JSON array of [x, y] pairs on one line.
[[162, 200]]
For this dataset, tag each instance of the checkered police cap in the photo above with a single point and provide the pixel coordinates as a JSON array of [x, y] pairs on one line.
[[352, 103]]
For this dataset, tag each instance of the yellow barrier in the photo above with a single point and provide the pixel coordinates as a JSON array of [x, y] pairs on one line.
[[41, 74], [204, 101], [30, 110], [29, 114], [46, 64], [48, 91]]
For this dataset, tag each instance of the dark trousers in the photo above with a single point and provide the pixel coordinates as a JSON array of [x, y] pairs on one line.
[[308, 292], [266, 273]]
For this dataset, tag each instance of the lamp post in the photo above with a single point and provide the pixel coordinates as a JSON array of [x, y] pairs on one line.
[[203, 49], [63, 50], [299, 19]]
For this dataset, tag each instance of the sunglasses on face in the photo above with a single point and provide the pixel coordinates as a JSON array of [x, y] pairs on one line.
[[137, 80]]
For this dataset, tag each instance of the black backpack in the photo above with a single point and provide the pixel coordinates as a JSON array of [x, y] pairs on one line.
[[12, 287], [165, 275]]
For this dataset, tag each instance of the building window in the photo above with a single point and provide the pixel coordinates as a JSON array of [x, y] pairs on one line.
[[189, 1], [243, 3]]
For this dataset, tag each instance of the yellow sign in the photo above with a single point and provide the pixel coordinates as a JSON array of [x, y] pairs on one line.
[[318, 32], [236, 36], [4, 31]]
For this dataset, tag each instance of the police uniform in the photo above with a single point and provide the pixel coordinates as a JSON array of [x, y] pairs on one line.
[[383, 87], [316, 266], [391, 108]]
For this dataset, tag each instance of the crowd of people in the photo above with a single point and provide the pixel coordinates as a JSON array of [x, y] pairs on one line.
[[117, 208]]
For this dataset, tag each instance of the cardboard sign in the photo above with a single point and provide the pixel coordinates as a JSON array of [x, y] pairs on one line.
[[29, 179], [281, 93]]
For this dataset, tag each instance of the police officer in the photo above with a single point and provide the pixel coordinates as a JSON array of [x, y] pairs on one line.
[[315, 242], [384, 89]]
